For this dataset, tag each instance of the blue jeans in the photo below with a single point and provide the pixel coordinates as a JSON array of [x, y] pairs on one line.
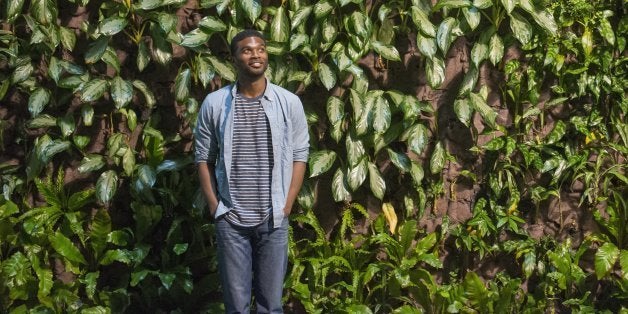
[[256, 256]]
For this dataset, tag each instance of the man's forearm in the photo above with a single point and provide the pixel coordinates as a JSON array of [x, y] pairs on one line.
[[298, 171], [207, 179]]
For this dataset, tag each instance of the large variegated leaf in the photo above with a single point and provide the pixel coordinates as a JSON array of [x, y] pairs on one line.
[[161, 48], [451, 4], [212, 24], [355, 150], [320, 161], [326, 75], [13, 9], [112, 25], [543, 18], [335, 110], [91, 163], [509, 5], [400, 160], [121, 92], [357, 174], [479, 53], [437, 161], [96, 49], [417, 173], [280, 26], [468, 81], [44, 11], [495, 49], [381, 115], [224, 69], [479, 104], [435, 71], [463, 110], [66, 124], [605, 259], [106, 186], [182, 85], [38, 100], [67, 37], [422, 21], [376, 181], [66, 248], [339, 187], [94, 89], [300, 16], [148, 94], [473, 16], [195, 38], [387, 51], [252, 9], [427, 45], [444, 36], [521, 29], [417, 137]]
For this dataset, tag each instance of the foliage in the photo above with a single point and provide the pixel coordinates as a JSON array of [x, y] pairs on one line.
[[100, 209]]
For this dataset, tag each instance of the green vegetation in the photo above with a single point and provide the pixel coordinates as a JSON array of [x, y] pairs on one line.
[[100, 209]]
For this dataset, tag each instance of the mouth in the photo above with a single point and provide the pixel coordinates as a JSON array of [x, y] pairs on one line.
[[256, 64]]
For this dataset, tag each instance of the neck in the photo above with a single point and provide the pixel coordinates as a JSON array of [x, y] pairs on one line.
[[251, 88]]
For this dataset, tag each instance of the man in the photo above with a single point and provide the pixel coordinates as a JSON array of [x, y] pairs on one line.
[[251, 148]]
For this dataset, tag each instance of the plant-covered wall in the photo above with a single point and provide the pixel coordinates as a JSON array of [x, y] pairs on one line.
[[466, 156]]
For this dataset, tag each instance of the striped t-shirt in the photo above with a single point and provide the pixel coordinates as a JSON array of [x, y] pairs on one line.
[[252, 164]]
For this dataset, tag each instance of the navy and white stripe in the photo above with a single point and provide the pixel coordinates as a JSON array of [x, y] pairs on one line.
[[252, 164]]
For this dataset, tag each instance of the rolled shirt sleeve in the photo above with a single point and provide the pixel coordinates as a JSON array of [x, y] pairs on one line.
[[205, 141], [300, 134]]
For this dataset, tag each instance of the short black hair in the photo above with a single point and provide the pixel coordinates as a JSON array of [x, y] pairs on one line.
[[242, 35]]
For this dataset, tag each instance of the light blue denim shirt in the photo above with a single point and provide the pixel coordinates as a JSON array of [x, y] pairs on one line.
[[289, 133]]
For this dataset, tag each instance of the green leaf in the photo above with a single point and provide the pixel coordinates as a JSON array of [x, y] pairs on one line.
[[112, 25], [298, 42], [99, 230], [417, 173], [339, 187], [326, 75], [422, 21], [38, 100], [587, 41], [90, 280], [87, 112], [543, 18], [106, 186], [387, 51], [252, 9], [148, 94], [521, 29], [495, 49], [45, 282], [322, 9], [22, 72], [482, 4], [166, 280], [357, 175], [444, 36], [180, 248], [451, 4], [66, 124], [509, 5], [427, 45], [117, 255], [300, 16], [557, 132], [473, 17], [121, 92], [182, 85], [66, 248], [8, 208], [435, 71], [376, 181], [149, 4], [44, 11], [605, 259], [223, 69], [161, 48], [212, 24], [68, 38], [335, 110], [417, 138], [96, 49], [143, 56], [280, 26], [195, 38], [381, 115], [468, 82], [623, 262], [479, 53], [13, 9], [487, 113], [606, 30], [474, 289], [93, 90], [204, 71], [320, 161], [42, 121], [54, 69], [355, 150], [437, 161], [400, 160]]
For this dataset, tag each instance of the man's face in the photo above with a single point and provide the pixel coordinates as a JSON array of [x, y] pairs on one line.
[[251, 59]]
